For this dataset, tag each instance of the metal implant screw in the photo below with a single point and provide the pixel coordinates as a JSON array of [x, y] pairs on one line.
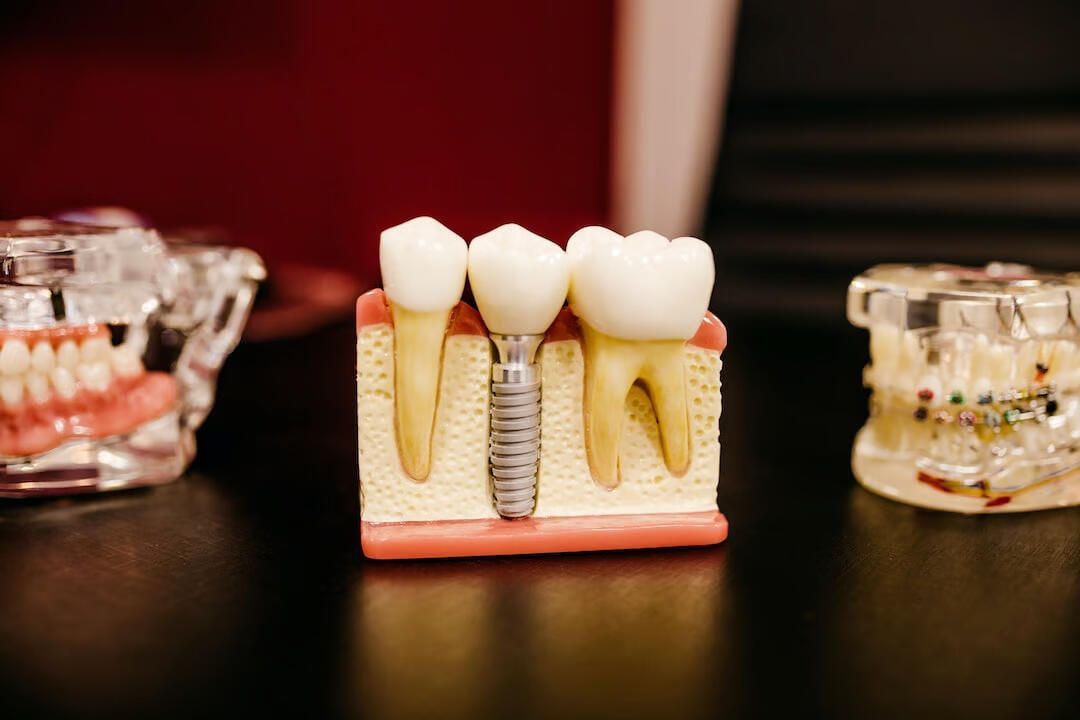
[[514, 453]]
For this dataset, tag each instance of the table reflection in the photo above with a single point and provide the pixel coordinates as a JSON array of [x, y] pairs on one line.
[[573, 628]]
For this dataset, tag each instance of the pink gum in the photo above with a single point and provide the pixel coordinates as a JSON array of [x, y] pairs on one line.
[[530, 536], [372, 309], [711, 334], [54, 335]]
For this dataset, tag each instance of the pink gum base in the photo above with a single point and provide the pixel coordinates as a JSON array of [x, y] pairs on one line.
[[372, 308], [532, 536]]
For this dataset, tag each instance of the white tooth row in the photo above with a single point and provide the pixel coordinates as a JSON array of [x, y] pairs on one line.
[[40, 371], [639, 287], [969, 363]]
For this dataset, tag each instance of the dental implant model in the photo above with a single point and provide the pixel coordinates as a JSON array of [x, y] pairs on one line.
[[531, 427], [519, 281], [86, 402], [974, 375]]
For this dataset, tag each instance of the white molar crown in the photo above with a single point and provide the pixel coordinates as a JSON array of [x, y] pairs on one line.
[[36, 371], [423, 265], [519, 280], [641, 287]]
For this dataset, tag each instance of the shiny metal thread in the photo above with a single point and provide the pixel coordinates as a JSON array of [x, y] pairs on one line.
[[515, 424]]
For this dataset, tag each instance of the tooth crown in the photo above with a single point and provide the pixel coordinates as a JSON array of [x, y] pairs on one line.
[[423, 265], [519, 280], [641, 287]]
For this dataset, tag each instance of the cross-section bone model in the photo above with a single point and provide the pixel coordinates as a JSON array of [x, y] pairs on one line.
[[530, 427]]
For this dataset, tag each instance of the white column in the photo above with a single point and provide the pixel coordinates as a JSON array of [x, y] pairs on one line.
[[672, 60]]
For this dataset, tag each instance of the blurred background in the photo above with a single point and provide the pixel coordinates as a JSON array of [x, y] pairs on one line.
[[804, 140], [849, 133]]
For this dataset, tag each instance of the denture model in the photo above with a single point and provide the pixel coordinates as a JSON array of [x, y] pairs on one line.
[[530, 427], [81, 309], [974, 375]]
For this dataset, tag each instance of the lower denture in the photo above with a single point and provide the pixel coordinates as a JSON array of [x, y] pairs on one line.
[[34, 428]]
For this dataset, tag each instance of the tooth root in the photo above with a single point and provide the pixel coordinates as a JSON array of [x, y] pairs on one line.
[[418, 350], [612, 366], [664, 378]]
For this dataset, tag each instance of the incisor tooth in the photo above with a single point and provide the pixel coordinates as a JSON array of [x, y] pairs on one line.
[[14, 357], [95, 349], [95, 376], [37, 385], [612, 366], [126, 362], [423, 267], [43, 358], [64, 382], [67, 355], [11, 389]]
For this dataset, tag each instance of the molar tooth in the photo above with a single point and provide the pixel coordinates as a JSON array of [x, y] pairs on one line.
[[638, 300], [14, 357], [423, 268], [95, 376], [37, 384], [64, 382], [126, 362], [67, 355], [642, 287], [95, 349], [11, 390], [43, 358]]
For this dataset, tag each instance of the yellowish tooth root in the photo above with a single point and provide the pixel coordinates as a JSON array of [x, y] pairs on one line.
[[418, 353], [612, 366]]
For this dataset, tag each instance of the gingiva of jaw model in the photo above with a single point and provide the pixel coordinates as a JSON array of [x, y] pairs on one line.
[[530, 427]]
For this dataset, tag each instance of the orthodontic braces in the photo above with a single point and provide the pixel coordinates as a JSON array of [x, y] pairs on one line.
[[988, 412]]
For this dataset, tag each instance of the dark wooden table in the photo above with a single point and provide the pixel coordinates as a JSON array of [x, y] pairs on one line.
[[241, 590]]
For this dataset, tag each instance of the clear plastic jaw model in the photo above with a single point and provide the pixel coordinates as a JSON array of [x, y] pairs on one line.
[[975, 375], [530, 427], [110, 343]]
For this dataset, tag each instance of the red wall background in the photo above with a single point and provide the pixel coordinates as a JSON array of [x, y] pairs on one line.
[[304, 128]]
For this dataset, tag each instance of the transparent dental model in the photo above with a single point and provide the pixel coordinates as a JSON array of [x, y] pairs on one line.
[[975, 374], [527, 425], [110, 345]]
